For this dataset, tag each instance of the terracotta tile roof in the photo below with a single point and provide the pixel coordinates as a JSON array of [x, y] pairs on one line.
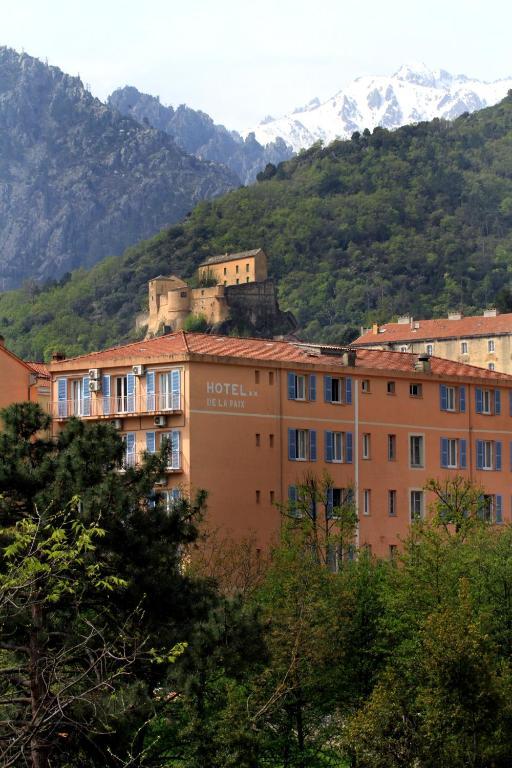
[[229, 257], [442, 328], [265, 350], [40, 368]]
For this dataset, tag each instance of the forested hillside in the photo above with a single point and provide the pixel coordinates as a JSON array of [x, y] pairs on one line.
[[418, 220]]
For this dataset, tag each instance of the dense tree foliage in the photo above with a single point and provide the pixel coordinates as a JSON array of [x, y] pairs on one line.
[[417, 220]]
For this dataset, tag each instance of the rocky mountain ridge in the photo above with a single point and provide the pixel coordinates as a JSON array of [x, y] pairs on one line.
[[414, 93], [79, 181], [196, 133]]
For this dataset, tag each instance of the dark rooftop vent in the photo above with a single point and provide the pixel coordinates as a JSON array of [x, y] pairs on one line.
[[57, 356]]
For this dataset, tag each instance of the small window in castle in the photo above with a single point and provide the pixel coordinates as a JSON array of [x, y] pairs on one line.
[[247, 279], [246, 267], [272, 497], [237, 281], [258, 496], [491, 366], [271, 377], [490, 345], [258, 441], [225, 282], [391, 387], [463, 347], [183, 294], [256, 377], [202, 293], [271, 440], [225, 271], [237, 269]]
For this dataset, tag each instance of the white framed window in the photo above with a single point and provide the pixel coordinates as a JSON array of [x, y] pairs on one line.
[[416, 451], [337, 446], [300, 387], [302, 444], [464, 347], [451, 399], [173, 441], [486, 401], [390, 387], [366, 445], [429, 349], [403, 348], [367, 499], [488, 455], [490, 345], [415, 390], [416, 502], [491, 366], [365, 386], [121, 393], [452, 453]]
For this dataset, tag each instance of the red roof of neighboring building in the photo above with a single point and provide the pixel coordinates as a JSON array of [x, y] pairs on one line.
[[441, 328], [265, 350], [40, 369]]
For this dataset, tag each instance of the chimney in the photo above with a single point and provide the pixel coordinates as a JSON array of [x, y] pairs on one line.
[[454, 316], [375, 329], [349, 358], [422, 363], [404, 320], [492, 312], [57, 356]]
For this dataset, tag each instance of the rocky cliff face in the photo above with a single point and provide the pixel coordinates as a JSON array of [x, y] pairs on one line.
[[79, 181], [196, 133]]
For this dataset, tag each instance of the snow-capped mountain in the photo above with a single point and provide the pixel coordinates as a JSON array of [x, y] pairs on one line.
[[412, 94]]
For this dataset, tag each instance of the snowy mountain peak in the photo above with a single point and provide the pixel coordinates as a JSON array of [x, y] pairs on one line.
[[412, 94]]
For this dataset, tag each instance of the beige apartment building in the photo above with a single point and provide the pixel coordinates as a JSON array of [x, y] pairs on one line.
[[484, 340]]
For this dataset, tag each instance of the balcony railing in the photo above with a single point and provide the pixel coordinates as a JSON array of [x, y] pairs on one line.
[[99, 406], [135, 459]]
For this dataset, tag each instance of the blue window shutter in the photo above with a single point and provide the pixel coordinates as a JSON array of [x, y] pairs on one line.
[[130, 449], [175, 494], [130, 392], [479, 454], [328, 438], [462, 399], [479, 399], [150, 391], [176, 389], [292, 444], [463, 461], [348, 390], [499, 509], [330, 503], [291, 386], [62, 396], [105, 387], [86, 397], [348, 447], [150, 442], [175, 449], [497, 402], [312, 387], [312, 444], [443, 397], [444, 451], [328, 389], [497, 449]]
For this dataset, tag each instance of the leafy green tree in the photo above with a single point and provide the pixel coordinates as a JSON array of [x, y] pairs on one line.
[[141, 548]]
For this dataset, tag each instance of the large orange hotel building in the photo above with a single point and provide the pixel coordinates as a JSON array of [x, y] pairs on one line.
[[247, 418]]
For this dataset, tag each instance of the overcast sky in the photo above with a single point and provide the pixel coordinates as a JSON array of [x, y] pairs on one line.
[[240, 60]]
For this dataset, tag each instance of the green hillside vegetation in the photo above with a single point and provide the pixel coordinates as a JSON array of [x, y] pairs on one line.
[[418, 220]]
